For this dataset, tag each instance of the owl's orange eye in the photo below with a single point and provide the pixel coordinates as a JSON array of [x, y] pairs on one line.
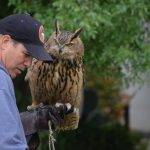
[[69, 44]]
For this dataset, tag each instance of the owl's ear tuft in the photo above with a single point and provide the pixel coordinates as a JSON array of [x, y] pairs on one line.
[[57, 31], [76, 34]]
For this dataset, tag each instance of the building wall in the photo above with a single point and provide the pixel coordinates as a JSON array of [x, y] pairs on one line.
[[139, 112]]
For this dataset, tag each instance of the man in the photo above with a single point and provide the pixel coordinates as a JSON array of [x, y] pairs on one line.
[[21, 39]]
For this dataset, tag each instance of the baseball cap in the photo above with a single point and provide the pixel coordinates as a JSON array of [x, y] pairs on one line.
[[25, 29]]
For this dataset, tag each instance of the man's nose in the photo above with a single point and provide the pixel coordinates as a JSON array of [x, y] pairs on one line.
[[28, 62]]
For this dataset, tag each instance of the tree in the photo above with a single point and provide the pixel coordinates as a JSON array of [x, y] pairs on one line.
[[112, 31]]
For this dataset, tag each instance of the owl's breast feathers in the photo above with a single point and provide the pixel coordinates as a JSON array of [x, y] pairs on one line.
[[59, 81]]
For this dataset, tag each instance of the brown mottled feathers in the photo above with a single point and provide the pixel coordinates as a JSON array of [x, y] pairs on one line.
[[60, 80]]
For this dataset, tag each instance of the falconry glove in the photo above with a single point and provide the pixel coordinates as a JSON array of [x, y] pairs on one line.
[[37, 119]]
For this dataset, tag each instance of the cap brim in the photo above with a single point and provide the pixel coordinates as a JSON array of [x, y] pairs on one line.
[[38, 52]]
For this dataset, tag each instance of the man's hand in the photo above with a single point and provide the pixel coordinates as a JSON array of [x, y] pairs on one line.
[[37, 119]]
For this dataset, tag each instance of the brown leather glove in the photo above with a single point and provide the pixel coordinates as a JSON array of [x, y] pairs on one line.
[[37, 119]]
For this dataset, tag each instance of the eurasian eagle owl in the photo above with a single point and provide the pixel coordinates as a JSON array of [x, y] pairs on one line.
[[60, 80]]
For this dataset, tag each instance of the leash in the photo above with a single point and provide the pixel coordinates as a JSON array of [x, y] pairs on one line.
[[51, 137]]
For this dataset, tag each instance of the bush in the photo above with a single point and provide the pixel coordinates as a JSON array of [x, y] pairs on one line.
[[106, 137]]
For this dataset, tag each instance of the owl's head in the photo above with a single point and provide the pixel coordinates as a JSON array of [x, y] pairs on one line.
[[65, 44]]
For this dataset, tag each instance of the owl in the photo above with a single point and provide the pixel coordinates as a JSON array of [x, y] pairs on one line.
[[60, 81]]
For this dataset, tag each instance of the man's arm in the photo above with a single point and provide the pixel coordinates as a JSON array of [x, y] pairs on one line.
[[11, 131]]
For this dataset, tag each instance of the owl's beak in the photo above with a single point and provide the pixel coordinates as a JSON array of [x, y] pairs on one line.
[[61, 48]]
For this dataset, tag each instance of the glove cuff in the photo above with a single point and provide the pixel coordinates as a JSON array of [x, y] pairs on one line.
[[29, 122]]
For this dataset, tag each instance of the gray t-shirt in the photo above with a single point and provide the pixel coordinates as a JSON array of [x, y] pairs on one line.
[[12, 136]]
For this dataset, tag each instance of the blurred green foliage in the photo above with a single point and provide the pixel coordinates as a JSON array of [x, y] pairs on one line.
[[107, 137], [113, 37], [112, 30]]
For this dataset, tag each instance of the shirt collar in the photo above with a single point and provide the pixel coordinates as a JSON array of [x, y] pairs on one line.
[[3, 68]]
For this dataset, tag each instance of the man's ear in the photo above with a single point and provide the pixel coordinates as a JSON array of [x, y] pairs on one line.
[[5, 41], [41, 34]]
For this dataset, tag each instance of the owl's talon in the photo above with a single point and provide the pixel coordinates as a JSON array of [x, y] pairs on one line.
[[32, 107]]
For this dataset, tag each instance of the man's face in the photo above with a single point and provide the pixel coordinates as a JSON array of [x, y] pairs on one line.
[[15, 57]]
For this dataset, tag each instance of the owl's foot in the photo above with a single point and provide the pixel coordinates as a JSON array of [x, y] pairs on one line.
[[32, 107], [71, 121]]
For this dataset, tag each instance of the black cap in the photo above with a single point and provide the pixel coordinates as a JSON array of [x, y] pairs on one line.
[[23, 28]]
